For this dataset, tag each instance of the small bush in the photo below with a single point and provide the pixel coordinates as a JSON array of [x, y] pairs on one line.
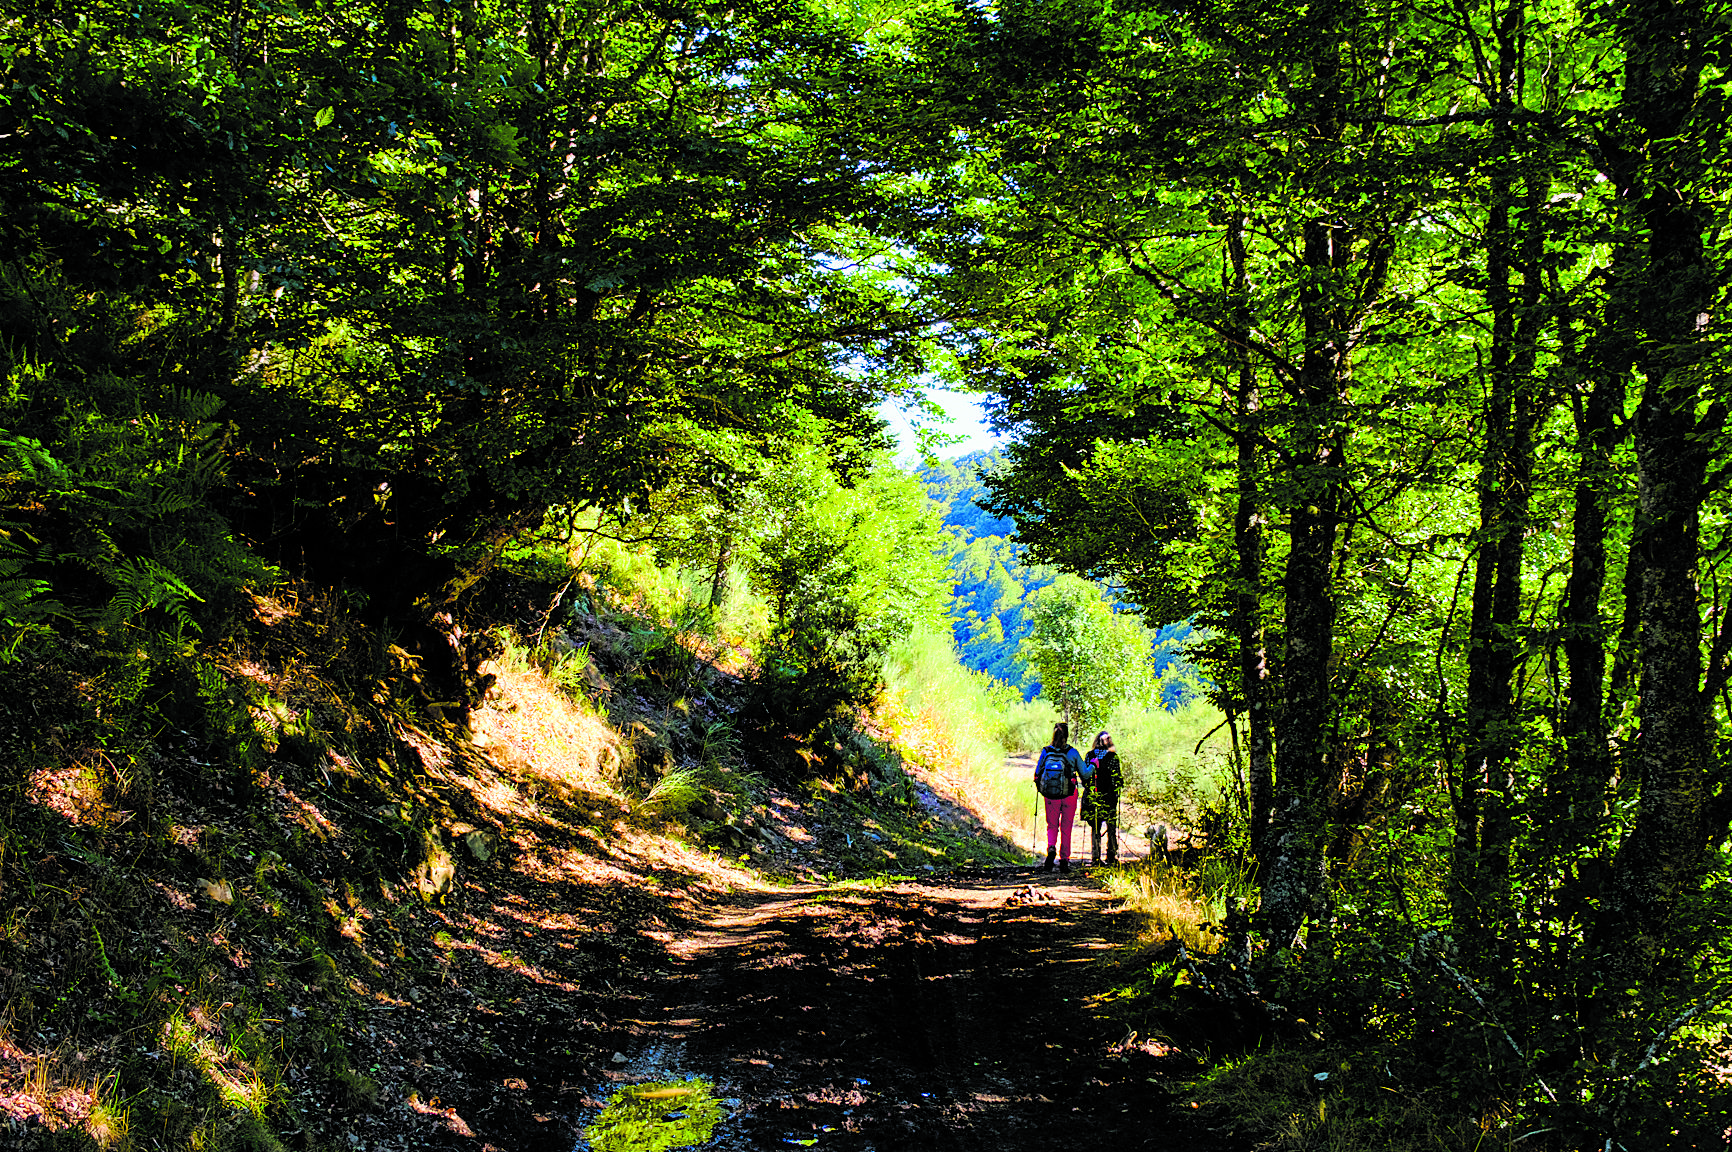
[[675, 792]]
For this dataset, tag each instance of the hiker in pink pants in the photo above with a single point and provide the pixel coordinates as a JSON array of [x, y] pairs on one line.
[[1057, 772]]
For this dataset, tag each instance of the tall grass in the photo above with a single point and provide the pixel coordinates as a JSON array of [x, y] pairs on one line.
[[1169, 897], [959, 723], [675, 792], [1028, 724], [1180, 901]]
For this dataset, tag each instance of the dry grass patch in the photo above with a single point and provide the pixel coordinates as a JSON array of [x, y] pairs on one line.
[[1168, 897], [86, 790], [960, 752], [59, 1090], [543, 741]]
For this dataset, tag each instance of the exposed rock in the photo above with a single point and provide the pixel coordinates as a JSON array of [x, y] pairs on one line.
[[437, 870]]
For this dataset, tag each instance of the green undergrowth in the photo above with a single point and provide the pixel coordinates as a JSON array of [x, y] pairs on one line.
[[1297, 1098], [190, 912], [1310, 1079], [1176, 760], [1294, 1094], [1183, 904], [959, 723]]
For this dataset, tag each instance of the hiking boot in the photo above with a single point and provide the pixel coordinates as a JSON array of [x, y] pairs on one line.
[[1047, 867], [1063, 866]]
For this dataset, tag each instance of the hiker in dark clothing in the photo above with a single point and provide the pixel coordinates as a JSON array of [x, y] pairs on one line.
[[1057, 776], [1100, 804]]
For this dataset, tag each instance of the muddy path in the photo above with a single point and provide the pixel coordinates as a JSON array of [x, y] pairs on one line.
[[953, 1013]]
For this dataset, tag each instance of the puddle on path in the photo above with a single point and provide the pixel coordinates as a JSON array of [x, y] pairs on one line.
[[656, 1115], [658, 1104], [661, 1104]]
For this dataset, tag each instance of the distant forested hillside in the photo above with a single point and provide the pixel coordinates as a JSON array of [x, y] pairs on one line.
[[989, 614]]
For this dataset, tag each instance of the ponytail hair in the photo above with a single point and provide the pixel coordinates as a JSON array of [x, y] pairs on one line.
[[1060, 734]]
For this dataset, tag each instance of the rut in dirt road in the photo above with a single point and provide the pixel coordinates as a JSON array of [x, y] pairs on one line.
[[943, 1015]]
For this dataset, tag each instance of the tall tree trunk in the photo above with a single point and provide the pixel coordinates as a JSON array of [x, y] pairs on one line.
[[1294, 878], [1663, 853], [1577, 784], [1479, 891], [1336, 290], [1248, 549]]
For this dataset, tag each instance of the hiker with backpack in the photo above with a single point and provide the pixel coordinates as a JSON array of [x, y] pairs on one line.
[[1058, 773], [1100, 803]]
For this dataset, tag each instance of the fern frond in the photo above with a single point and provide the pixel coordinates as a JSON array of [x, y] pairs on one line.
[[213, 688], [194, 407], [24, 609], [141, 584], [34, 462]]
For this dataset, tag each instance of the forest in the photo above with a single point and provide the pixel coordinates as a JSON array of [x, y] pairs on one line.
[[992, 600], [1366, 350]]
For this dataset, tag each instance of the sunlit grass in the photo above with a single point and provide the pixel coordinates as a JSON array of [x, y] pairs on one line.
[[674, 792], [544, 737], [878, 882], [954, 722], [109, 1122], [196, 1039], [59, 1087], [1168, 896]]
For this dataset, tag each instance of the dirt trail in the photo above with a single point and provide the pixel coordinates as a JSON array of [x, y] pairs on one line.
[[947, 1014]]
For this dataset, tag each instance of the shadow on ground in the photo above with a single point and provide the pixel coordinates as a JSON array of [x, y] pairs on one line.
[[950, 1014]]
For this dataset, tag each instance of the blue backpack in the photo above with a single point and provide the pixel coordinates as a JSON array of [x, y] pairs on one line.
[[1050, 774]]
